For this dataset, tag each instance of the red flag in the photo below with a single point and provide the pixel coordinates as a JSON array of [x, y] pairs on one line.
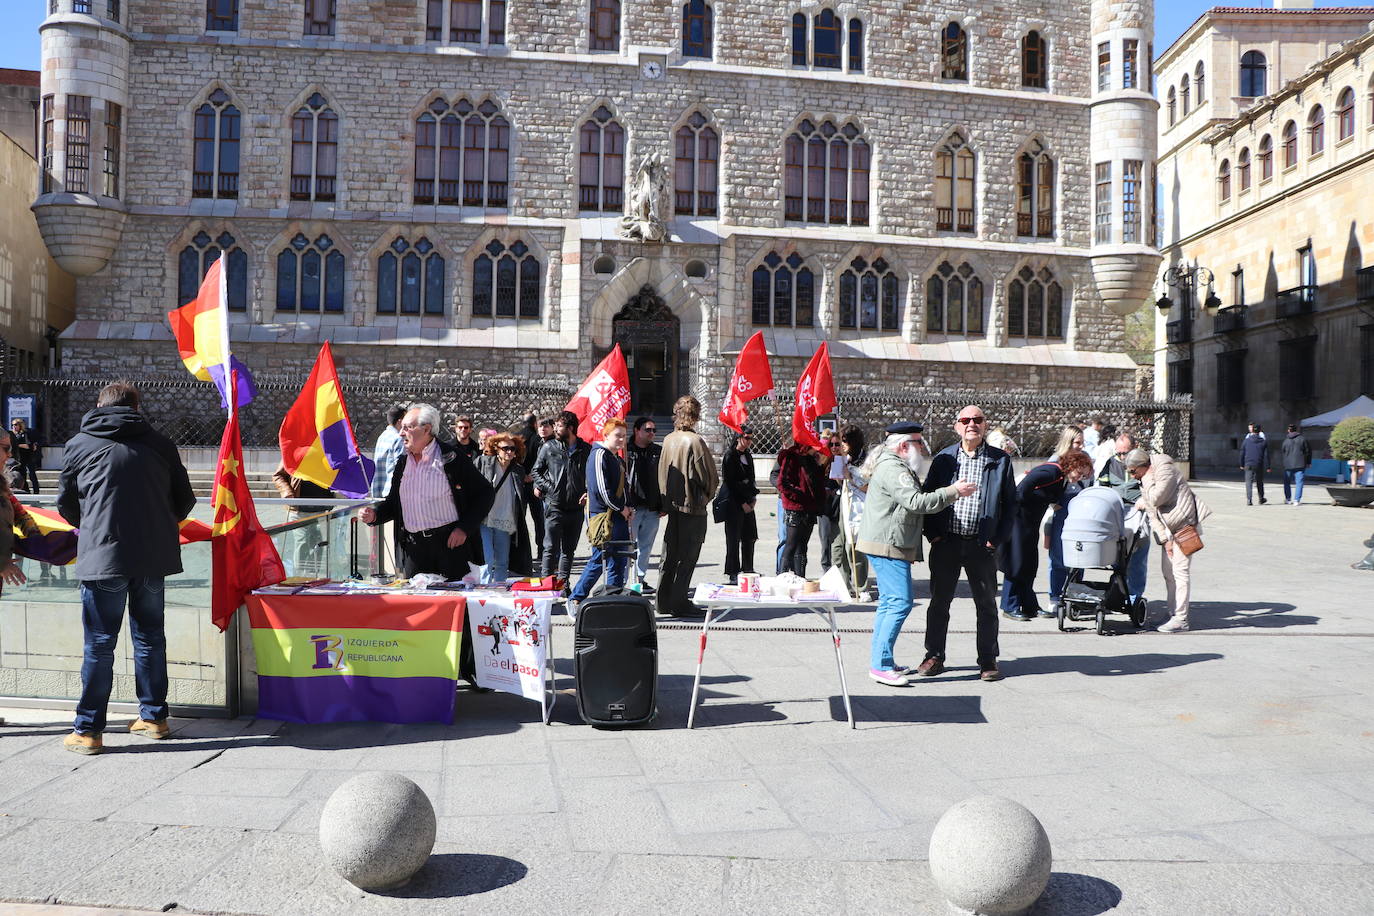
[[605, 394], [242, 553], [815, 396], [753, 378]]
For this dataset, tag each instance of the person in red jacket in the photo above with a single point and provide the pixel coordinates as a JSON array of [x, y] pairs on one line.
[[801, 492]]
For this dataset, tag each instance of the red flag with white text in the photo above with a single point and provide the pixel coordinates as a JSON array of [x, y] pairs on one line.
[[753, 378], [815, 398], [242, 554], [605, 394]]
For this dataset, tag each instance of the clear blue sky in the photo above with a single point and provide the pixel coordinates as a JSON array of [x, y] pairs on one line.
[[19, 36]]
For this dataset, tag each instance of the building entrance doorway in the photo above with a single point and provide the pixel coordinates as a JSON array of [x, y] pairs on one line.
[[649, 335]]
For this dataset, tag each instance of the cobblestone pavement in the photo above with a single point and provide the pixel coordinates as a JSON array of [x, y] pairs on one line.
[[1225, 770]]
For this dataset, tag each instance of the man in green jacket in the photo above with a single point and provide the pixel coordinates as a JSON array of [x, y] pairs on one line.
[[890, 534]]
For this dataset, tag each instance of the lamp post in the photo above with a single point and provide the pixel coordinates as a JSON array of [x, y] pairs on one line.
[[1186, 280]]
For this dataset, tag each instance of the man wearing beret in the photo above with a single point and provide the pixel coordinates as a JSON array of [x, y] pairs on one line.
[[890, 534]]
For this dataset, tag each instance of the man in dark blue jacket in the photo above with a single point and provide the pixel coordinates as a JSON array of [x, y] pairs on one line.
[[1254, 461], [965, 537], [123, 484]]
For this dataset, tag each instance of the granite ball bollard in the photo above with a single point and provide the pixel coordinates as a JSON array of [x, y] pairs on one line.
[[990, 856], [377, 830]]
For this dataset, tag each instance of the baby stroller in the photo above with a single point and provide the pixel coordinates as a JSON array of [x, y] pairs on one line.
[[1100, 534]]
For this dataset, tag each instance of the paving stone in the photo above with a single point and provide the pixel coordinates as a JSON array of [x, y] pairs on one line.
[[156, 871], [710, 805], [44, 855]]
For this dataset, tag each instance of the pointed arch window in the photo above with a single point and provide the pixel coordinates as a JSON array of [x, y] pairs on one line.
[[1183, 95], [1345, 114], [821, 42], [1035, 306], [1224, 181], [954, 52], [314, 150], [826, 174], [955, 170], [411, 279], [1035, 193], [462, 155], [697, 24], [215, 167], [870, 296], [220, 15], [603, 27], [320, 16], [195, 259], [1243, 170], [310, 276], [1266, 158], [507, 281], [1290, 145], [1034, 61], [784, 292], [1173, 106], [695, 167], [601, 163], [954, 301], [469, 22], [1316, 131], [1254, 70], [1199, 78]]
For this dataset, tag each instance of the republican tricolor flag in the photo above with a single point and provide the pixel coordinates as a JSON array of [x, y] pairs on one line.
[[753, 378], [317, 441], [201, 329]]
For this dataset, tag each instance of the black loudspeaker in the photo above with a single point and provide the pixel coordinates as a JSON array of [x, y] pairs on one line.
[[616, 660]]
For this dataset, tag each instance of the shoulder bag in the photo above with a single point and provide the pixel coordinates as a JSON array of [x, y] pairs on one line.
[[1188, 540]]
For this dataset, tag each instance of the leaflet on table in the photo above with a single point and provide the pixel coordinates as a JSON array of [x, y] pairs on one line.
[[708, 591]]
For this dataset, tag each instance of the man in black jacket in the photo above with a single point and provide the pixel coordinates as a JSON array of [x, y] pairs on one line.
[[560, 479], [123, 484], [642, 454], [965, 537], [1297, 456], [438, 498], [1254, 461]]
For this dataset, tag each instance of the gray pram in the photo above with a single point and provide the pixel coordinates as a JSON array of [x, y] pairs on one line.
[[1099, 533]]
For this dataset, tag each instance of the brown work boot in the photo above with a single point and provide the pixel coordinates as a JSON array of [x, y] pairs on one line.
[[931, 667], [150, 728], [78, 743]]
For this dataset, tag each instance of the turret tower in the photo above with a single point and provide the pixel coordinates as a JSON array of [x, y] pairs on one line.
[[1122, 156], [85, 105]]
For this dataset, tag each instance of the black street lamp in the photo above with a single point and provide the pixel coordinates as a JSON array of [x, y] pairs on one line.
[[1185, 280]]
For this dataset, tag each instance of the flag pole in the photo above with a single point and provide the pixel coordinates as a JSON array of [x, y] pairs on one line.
[[231, 396]]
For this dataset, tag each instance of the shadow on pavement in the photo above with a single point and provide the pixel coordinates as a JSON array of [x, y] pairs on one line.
[[453, 874], [1101, 666], [908, 707], [1219, 615], [1070, 894]]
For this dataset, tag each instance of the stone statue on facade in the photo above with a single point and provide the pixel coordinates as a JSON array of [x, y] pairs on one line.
[[644, 219]]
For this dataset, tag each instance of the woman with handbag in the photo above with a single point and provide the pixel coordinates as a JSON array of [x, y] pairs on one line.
[[1176, 517], [500, 462]]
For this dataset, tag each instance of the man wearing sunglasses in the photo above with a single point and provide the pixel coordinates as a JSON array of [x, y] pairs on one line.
[[965, 537]]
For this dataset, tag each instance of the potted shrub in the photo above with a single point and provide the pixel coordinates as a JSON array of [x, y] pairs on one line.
[[1353, 440]]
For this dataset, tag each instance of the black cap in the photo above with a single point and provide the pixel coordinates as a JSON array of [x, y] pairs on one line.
[[904, 428]]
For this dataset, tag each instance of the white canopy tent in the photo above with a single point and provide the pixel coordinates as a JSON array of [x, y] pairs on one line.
[[1362, 406]]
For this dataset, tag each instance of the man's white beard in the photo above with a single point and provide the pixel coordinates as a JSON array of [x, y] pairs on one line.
[[916, 462]]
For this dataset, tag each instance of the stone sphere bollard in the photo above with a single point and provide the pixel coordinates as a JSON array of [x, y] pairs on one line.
[[377, 830], [990, 856]]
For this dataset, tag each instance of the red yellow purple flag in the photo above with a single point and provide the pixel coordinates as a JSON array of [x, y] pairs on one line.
[[317, 441], [201, 329]]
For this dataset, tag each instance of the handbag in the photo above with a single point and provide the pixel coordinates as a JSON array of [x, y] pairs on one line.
[[720, 506], [1188, 540]]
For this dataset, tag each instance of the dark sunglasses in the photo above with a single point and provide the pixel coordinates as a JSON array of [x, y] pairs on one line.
[[649, 429], [969, 421], [507, 448]]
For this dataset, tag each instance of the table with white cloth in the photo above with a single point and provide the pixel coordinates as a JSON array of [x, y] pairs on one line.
[[721, 602]]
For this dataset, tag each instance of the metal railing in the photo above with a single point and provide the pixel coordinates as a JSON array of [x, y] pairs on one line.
[[1300, 300], [1229, 320], [1364, 284], [1180, 330]]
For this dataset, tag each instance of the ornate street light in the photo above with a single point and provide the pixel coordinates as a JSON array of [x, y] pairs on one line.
[[1187, 279]]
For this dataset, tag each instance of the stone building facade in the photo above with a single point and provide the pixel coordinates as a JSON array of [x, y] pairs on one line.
[[1266, 183], [953, 195]]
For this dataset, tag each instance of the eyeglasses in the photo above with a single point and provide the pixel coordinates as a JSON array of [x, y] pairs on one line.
[[649, 429], [972, 421], [462, 426], [507, 448]]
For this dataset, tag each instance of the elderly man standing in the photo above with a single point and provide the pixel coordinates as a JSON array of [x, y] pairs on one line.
[[965, 537], [439, 498], [890, 534], [123, 484], [687, 478]]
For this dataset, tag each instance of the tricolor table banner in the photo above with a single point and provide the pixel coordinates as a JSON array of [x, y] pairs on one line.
[[510, 641], [357, 658]]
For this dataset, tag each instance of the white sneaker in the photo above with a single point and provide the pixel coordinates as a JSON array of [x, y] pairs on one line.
[[1173, 625], [888, 676]]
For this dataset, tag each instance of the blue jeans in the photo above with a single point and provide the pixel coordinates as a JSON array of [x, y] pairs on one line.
[[614, 567], [645, 529], [1136, 570], [1059, 573], [1292, 483], [496, 551], [102, 612], [894, 605]]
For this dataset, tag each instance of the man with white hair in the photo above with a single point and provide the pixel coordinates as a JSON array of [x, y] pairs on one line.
[[890, 534]]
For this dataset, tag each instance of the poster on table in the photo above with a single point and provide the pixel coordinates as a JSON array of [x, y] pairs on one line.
[[510, 642]]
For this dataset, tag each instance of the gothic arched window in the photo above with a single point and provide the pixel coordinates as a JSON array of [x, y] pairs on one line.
[[955, 171], [601, 163], [1035, 306], [784, 292], [411, 279], [1034, 61], [1253, 72], [696, 29], [954, 52], [870, 296], [215, 156], [314, 150], [820, 42], [195, 259], [1035, 193], [310, 276], [954, 301], [826, 174], [506, 281], [462, 154], [696, 158]]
